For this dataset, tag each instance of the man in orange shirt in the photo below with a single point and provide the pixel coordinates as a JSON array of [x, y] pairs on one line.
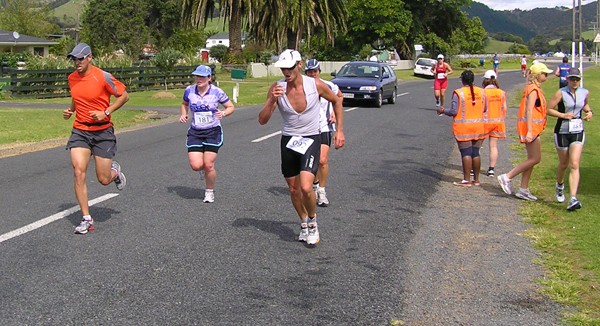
[[93, 133]]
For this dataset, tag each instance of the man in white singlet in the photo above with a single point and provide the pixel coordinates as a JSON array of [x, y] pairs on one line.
[[298, 99]]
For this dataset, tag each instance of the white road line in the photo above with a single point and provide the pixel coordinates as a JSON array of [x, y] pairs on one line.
[[50, 219], [402, 94], [266, 137], [352, 109]]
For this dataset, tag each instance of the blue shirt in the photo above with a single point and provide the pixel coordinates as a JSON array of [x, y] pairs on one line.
[[204, 108]]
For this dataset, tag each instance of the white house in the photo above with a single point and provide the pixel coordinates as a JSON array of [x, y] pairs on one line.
[[221, 39], [15, 42]]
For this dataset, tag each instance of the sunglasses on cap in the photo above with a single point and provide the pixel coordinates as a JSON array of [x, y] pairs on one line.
[[574, 79]]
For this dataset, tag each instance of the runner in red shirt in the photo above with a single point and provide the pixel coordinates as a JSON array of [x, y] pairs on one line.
[[440, 71]]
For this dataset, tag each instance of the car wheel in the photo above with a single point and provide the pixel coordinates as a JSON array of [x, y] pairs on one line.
[[379, 99], [392, 99]]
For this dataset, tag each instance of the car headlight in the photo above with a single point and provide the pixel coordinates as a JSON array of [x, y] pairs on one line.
[[368, 88]]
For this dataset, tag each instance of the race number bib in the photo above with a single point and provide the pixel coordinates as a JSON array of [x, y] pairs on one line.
[[203, 118], [575, 125], [299, 144], [441, 75]]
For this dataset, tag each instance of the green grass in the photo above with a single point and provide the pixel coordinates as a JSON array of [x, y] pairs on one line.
[[30, 125], [569, 241], [495, 46]]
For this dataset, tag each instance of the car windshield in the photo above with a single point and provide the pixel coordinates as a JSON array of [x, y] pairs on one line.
[[425, 62], [359, 70]]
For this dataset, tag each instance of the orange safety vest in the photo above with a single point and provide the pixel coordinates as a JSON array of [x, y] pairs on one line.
[[495, 102], [468, 121], [538, 114]]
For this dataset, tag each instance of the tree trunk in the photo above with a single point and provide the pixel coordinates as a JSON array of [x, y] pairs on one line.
[[235, 29]]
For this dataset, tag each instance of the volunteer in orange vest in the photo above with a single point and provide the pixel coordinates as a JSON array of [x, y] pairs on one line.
[[467, 109], [531, 121], [495, 114]]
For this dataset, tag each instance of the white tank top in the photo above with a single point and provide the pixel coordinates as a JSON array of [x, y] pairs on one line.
[[307, 122]]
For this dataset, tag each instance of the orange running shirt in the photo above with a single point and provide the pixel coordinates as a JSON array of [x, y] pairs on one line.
[[92, 93]]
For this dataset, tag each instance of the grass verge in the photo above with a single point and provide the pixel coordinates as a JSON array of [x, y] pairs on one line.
[[569, 242]]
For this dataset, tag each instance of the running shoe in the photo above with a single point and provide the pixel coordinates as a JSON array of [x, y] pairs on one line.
[[573, 204], [313, 233], [303, 232], [505, 183], [472, 173], [525, 194], [560, 193], [463, 183], [120, 181], [209, 196], [437, 103], [490, 172], [85, 226], [322, 197], [476, 183]]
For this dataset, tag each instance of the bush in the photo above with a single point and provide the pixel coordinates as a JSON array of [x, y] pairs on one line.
[[218, 52]]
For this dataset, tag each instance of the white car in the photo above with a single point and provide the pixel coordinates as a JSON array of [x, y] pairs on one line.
[[423, 67]]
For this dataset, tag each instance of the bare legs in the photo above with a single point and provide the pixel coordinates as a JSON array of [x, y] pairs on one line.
[[570, 157], [302, 194], [534, 156], [80, 159], [200, 161]]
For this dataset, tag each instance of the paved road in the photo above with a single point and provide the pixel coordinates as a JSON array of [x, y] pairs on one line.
[[162, 257]]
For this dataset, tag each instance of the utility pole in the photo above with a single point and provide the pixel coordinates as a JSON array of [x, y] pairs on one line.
[[577, 43]]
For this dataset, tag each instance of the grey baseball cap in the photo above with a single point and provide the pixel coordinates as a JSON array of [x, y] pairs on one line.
[[80, 51]]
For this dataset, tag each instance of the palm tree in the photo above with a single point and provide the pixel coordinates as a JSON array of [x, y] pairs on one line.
[[279, 21], [195, 13]]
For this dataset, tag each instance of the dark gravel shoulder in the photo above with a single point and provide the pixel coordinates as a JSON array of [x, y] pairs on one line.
[[468, 263]]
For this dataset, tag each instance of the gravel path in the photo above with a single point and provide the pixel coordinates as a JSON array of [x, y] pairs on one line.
[[468, 264]]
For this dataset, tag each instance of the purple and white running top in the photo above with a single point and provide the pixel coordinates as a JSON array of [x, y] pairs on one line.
[[204, 108]]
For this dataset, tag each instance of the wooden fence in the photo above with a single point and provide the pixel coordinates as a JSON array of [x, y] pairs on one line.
[[53, 83]]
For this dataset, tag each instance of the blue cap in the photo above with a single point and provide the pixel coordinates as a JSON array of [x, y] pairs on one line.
[[311, 64], [80, 51], [203, 71]]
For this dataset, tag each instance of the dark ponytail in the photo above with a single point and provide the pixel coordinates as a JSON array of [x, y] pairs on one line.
[[468, 77]]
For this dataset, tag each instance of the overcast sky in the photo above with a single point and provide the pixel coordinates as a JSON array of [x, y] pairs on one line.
[[528, 4]]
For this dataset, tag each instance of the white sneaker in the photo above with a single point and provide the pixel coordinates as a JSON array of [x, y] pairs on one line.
[[313, 233], [573, 204], [209, 196], [560, 193], [322, 197], [525, 194], [505, 183], [85, 226], [303, 232], [120, 181]]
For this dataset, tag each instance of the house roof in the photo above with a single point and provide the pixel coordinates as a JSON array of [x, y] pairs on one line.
[[224, 36], [8, 38]]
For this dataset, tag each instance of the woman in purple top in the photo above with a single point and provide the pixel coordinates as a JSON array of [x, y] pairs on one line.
[[205, 135]]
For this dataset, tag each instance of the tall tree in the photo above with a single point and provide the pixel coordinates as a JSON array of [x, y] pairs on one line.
[[27, 17], [195, 14], [278, 22], [110, 25]]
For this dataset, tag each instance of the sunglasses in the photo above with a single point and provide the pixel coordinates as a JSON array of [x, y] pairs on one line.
[[291, 68], [574, 79], [79, 59]]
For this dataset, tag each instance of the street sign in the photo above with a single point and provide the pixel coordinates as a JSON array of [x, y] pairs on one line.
[[597, 38]]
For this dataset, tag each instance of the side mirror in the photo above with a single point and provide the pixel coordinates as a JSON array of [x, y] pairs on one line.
[[386, 75], [333, 73]]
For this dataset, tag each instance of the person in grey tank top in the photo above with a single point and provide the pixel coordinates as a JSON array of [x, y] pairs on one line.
[[298, 99], [570, 105]]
